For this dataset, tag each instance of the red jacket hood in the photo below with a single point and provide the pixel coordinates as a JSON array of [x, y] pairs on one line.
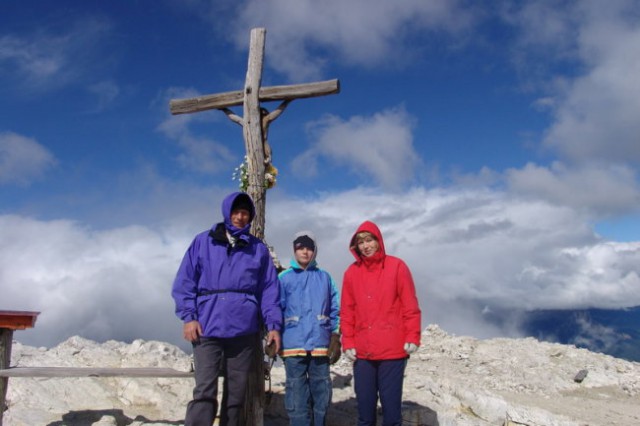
[[372, 228]]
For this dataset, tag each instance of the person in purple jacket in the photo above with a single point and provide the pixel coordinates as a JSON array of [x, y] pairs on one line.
[[225, 291]]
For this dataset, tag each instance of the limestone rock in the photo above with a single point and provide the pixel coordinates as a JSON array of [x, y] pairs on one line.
[[450, 381]]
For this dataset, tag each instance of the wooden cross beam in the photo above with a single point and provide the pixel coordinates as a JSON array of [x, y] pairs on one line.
[[255, 121], [266, 94]]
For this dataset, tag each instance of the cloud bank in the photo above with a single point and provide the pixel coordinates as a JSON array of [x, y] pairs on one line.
[[365, 33], [467, 251], [378, 148]]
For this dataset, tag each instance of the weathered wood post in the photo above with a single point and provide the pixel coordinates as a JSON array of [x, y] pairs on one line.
[[9, 321], [253, 139], [252, 130]]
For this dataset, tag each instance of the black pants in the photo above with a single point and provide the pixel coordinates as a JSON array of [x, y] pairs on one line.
[[210, 354]]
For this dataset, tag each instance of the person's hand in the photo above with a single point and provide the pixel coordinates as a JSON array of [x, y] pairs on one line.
[[410, 348], [270, 348], [350, 354], [334, 351], [273, 338], [192, 331]]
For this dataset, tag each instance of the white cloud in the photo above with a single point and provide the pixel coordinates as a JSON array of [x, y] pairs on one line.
[[606, 189], [594, 110], [22, 159], [379, 147], [598, 116], [543, 27], [48, 59], [361, 32], [484, 248], [466, 250], [203, 155], [596, 336], [199, 154], [31, 58], [106, 93], [107, 284]]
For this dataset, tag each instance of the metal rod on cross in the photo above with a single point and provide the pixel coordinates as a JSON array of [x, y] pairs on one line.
[[255, 125]]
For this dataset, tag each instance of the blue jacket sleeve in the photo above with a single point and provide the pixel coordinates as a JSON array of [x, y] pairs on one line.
[[185, 285], [283, 300], [270, 300], [335, 307]]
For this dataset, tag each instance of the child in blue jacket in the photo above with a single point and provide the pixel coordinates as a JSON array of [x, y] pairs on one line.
[[310, 335]]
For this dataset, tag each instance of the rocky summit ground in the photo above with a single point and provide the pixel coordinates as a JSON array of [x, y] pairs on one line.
[[451, 380]]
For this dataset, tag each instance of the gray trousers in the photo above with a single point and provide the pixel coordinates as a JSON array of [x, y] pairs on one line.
[[210, 356]]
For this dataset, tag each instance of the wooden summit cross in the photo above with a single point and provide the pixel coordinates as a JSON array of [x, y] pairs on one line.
[[255, 125], [255, 121]]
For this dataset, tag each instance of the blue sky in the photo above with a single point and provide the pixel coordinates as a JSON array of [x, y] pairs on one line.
[[496, 146]]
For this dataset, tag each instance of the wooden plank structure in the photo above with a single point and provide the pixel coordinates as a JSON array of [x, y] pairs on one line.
[[265, 94], [255, 125], [93, 372], [19, 320], [10, 321]]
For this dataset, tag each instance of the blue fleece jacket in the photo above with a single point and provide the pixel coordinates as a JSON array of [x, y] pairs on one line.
[[311, 305]]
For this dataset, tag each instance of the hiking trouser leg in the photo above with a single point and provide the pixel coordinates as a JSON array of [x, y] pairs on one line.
[[207, 357], [390, 379], [320, 387], [238, 352], [365, 380], [297, 397]]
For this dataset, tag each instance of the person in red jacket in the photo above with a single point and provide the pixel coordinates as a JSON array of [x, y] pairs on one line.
[[380, 321]]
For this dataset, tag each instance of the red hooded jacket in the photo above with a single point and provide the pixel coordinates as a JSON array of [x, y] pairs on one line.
[[379, 309]]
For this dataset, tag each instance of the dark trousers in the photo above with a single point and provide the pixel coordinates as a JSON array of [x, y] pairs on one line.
[[209, 356], [383, 379]]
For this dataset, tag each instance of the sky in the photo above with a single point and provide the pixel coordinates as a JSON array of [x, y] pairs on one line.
[[496, 145]]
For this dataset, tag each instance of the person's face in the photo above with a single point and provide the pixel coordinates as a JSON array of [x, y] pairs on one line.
[[303, 256], [240, 218], [367, 245]]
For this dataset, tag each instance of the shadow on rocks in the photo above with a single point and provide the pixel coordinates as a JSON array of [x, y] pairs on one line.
[[419, 415], [274, 412], [344, 413], [97, 417]]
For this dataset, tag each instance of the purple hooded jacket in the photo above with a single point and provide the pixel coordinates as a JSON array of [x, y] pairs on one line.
[[230, 290]]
